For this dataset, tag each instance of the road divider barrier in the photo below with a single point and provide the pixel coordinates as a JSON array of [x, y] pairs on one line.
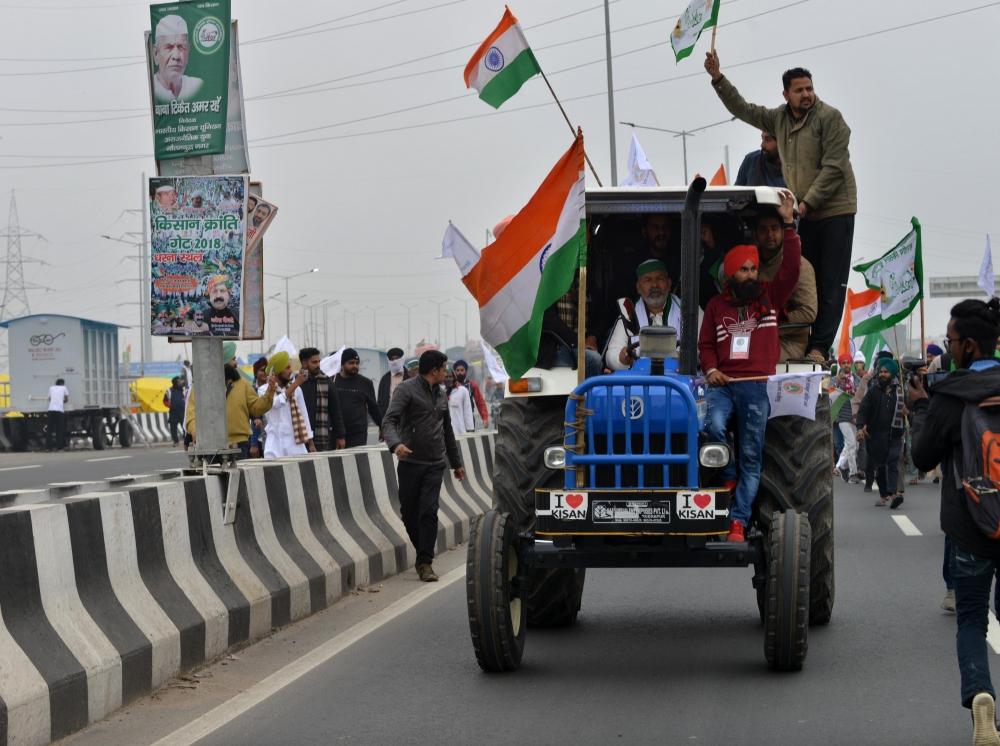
[[105, 596]]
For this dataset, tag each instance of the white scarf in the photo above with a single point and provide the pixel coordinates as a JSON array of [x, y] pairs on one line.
[[671, 315]]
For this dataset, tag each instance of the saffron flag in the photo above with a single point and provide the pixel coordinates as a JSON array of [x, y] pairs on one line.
[[899, 275], [532, 264], [640, 170], [697, 16], [987, 280], [795, 394], [866, 312], [720, 177], [502, 64]]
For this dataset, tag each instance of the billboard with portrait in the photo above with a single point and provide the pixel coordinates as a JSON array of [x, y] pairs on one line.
[[189, 77], [198, 240]]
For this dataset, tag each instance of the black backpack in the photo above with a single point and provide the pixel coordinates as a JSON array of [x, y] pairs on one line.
[[980, 475]]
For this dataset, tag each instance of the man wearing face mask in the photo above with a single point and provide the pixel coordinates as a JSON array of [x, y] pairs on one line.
[[461, 371], [388, 383], [739, 341], [881, 425]]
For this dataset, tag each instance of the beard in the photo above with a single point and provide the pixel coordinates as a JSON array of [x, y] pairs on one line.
[[744, 292]]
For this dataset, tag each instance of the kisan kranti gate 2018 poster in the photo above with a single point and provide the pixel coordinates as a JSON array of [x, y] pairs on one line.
[[198, 239]]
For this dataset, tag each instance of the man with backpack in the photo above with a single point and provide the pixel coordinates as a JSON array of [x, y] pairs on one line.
[[959, 428]]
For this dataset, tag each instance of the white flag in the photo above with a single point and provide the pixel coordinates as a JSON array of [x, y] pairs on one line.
[[457, 246], [987, 280], [493, 364], [795, 394], [330, 365], [285, 345], [640, 170]]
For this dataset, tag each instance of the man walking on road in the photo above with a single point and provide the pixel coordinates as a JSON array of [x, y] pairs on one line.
[[938, 438], [393, 377], [322, 403], [881, 424], [417, 429], [357, 399], [55, 424], [813, 142], [175, 399]]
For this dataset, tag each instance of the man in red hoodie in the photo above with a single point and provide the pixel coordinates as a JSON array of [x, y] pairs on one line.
[[739, 340]]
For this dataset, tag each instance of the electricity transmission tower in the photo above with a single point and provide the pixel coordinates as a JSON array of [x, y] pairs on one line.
[[14, 301]]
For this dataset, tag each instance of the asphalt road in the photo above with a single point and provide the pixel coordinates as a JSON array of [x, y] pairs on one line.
[[658, 656]]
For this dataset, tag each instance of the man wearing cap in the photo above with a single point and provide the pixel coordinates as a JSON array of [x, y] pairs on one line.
[[171, 50], [655, 306], [801, 307], [322, 404], [287, 432], [390, 380], [461, 372], [882, 425], [222, 320], [166, 198], [242, 403], [739, 340], [418, 431], [357, 399]]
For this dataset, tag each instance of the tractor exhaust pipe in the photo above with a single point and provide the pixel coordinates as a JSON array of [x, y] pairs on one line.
[[690, 259]]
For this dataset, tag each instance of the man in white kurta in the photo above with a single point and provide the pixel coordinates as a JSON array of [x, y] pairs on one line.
[[279, 440], [459, 406], [656, 306]]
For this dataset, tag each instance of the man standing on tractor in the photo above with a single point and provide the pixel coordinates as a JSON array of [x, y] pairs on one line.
[[739, 348]]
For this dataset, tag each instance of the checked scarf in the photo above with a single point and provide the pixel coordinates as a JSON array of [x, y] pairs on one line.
[[298, 420], [321, 427]]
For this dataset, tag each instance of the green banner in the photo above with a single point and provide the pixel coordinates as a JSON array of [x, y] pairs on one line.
[[188, 51], [899, 274]]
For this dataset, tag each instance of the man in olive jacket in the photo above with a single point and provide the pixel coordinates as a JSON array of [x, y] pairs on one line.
[[417, 429], [813, 142]]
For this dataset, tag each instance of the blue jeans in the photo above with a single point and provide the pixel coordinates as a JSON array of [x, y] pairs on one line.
[[593, 362], [751, 405], [973, 579]]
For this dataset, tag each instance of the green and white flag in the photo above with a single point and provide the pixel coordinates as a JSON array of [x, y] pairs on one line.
[[188, 52], [697, 16], [899, 275]]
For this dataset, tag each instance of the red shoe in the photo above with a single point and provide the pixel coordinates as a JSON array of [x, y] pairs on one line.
[[736, 532]]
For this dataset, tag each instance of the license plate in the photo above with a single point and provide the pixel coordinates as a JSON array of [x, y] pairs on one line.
[[656, 512]]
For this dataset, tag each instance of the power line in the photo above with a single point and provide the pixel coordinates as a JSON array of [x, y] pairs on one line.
[[512, 110]]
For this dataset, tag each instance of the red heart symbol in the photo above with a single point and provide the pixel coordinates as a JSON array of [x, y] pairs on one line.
[[574, 501], [702, 500]]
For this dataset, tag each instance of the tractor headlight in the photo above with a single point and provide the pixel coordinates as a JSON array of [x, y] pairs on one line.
[[714, 455], [555, 457], [658, 342]]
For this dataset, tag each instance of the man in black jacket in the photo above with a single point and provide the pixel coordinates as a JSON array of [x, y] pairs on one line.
[[417, 429], [392, 378], [881, 424], [322, 403], [937, 439], [357, 399]]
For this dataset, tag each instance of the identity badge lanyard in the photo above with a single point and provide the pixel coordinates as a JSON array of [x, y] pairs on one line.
[[739, 348]]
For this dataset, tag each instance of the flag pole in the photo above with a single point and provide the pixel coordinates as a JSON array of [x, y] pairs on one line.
[[572, 129], [923, 339], [714, 29]]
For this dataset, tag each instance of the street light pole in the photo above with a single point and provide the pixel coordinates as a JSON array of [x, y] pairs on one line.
[[611, 96], [683, 134], [409, 337], [288, 310], [439, 303], [374, 325]]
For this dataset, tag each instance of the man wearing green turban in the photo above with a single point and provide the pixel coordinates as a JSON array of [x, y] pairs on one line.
[[881, 425]]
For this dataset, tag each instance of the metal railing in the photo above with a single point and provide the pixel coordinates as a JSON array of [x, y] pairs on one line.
[[643, 436]]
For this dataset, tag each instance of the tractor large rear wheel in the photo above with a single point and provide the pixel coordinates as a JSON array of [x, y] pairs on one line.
[[525, 428], [798, 476]]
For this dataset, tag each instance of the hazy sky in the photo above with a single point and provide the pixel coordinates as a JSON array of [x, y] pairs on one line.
[[381, 145]]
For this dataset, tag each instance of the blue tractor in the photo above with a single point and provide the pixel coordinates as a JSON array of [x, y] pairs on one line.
[[616, 472]]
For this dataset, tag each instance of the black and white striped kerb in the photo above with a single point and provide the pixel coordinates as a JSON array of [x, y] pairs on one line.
[[106, 596]]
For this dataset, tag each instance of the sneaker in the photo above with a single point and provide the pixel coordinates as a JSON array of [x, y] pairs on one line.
[[426, 573], [948, 604], [984, 727], [897, 500], [736, 532], [881, 502], [855, 479]]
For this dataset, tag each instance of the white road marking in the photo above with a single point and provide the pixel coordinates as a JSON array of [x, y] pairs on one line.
[[228, 711], [106, 458], [906, 525], [15, 468], [993, 633], [179, 450]]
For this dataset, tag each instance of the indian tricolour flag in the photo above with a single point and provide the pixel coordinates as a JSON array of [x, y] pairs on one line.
[[532, 264], [866, 312], [502, 63]]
